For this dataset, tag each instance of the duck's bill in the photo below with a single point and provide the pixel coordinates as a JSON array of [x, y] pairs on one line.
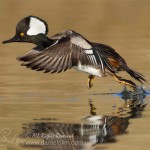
[[14, 39]]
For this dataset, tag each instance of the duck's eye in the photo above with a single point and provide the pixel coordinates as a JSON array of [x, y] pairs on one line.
[[21, 34]]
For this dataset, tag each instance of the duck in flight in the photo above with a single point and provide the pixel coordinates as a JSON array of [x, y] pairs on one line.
[[67, 50]]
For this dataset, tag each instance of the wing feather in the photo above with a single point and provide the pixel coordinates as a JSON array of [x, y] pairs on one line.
[[68, 50]]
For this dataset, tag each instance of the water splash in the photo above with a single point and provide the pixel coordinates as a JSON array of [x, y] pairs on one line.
[[138, 94]]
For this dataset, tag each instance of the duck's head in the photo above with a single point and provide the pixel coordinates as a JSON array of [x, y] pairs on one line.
[[30, 29]]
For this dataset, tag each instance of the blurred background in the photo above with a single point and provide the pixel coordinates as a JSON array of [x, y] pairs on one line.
[[26, 94]]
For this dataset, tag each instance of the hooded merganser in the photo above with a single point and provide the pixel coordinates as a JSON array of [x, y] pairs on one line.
[[67, 50]]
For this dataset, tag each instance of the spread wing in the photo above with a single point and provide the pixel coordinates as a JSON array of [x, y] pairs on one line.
[[68, 50]]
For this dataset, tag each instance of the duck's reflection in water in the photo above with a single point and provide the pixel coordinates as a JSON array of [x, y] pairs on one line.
[[91, 130]]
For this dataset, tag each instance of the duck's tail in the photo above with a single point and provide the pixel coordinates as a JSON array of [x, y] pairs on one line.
[[136, 75]]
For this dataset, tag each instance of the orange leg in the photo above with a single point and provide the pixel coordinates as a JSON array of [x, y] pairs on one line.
[[90, 81], [124, 81]]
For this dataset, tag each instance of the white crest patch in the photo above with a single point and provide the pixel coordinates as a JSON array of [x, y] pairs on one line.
[[36, 26]]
